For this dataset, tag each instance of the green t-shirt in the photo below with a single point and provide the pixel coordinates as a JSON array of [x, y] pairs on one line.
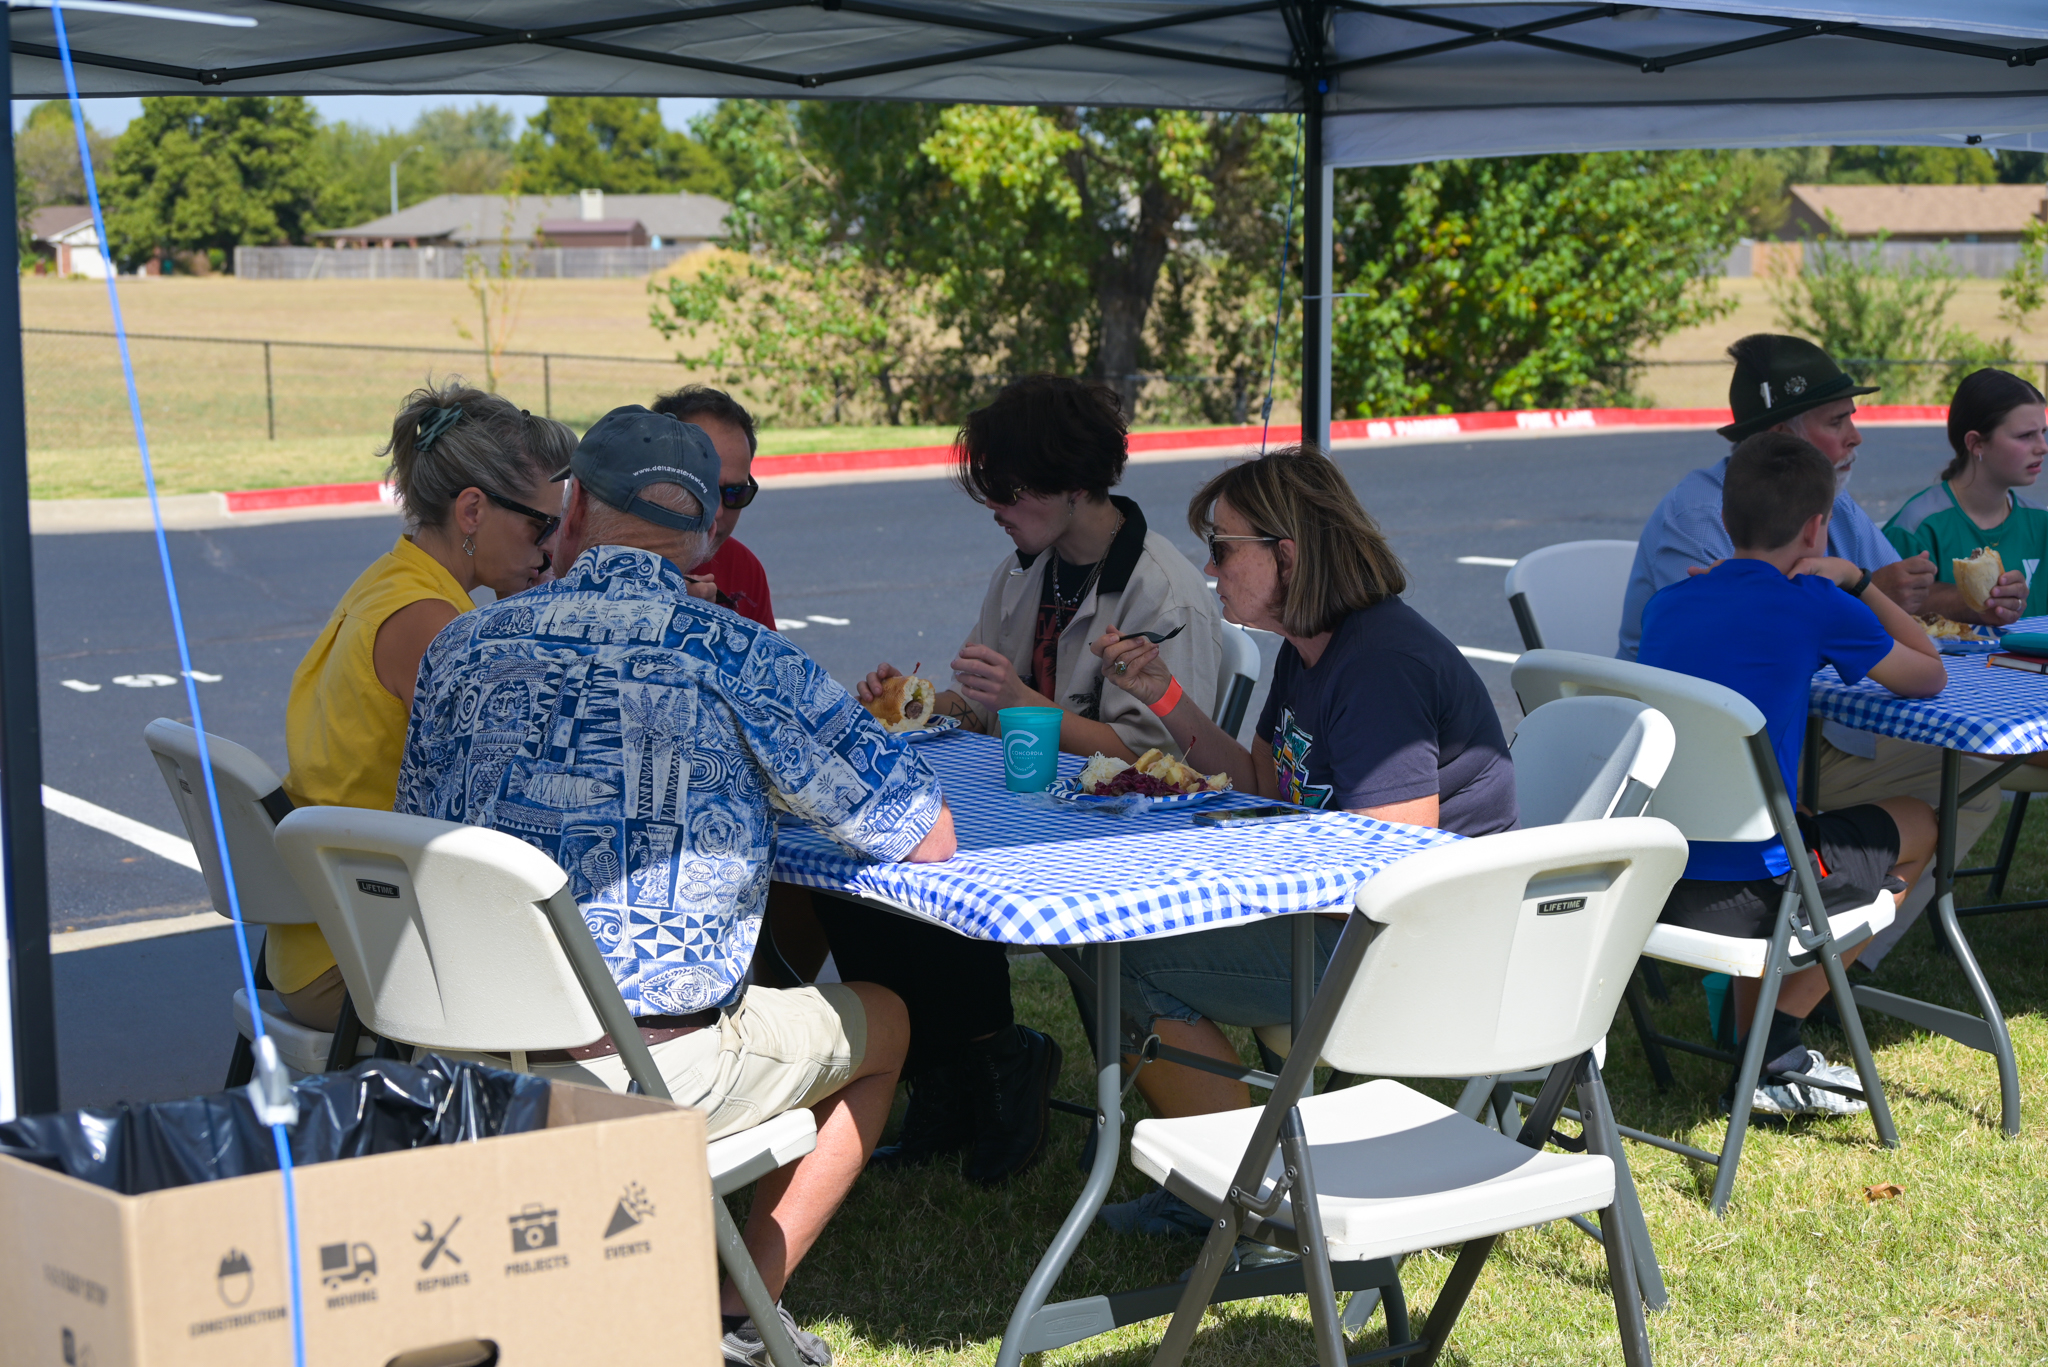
[[1932, 521]]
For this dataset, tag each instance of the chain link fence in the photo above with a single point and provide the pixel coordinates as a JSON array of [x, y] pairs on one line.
[[207, 389], [203, 389]]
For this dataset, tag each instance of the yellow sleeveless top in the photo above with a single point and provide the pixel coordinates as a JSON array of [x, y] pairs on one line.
[[344, 731]]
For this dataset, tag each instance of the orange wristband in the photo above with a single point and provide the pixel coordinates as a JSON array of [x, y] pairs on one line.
[[1167, 700]]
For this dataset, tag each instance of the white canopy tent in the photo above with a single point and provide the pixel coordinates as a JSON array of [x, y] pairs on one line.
[[1377, 83]]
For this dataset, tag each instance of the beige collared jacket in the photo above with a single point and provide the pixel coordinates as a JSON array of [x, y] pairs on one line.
[[1146, 584]]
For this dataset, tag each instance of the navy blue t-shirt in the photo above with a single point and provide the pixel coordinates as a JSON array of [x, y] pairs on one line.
[[1745, 626], [1391, 712]]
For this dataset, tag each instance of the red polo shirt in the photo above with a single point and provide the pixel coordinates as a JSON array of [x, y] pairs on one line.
[[742, 583]]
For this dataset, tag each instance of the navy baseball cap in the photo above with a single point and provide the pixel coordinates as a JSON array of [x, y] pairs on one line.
[[630, 448]]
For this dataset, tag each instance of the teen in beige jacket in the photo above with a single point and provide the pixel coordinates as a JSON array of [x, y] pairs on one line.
[[1042, 458]]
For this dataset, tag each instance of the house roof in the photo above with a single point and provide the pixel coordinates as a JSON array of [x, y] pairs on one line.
[[556, 227], [1924, 210], [463, 220], [52, 221]]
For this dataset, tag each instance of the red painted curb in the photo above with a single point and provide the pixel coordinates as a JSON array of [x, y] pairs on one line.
[[1442, 425]]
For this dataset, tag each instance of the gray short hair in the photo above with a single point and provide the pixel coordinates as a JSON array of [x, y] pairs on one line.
[[605, 525], [492, 445]]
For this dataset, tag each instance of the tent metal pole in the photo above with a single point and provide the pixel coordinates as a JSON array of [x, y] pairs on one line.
[[24, 876], [1315, 273]]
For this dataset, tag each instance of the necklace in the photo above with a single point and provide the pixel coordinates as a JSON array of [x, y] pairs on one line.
[[1060, 600]]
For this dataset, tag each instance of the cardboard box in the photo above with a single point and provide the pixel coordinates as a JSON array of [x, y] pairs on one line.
[[587, 1241]]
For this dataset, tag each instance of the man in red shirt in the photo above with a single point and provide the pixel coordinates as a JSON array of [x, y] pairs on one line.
[[732, 577]]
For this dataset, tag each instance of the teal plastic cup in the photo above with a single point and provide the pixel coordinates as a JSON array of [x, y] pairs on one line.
[[1031, 747]]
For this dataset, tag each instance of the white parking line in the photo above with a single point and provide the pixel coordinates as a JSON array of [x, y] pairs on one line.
[[790, 624], [1500, 657], [1486, 560], [175, 848], [829, 621], [70, 942]]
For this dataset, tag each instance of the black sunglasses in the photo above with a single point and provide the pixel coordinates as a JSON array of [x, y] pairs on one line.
[[548, 522], [738, 496], [1216, 544]]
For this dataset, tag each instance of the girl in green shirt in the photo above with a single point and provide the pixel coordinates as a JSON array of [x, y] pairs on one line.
[[1998, 429]]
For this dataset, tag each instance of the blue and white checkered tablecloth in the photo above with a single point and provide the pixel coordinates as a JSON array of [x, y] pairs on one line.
[[1984, 710], [1034, 872]]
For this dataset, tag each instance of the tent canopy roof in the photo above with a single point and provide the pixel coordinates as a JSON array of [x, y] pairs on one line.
[[1402, 80]]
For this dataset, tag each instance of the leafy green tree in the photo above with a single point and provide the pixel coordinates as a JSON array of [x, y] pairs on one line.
[[1911, 166], [202, 174], [1045, 233], [46, 154], [613, 142], [1520, 283], [446, 151]]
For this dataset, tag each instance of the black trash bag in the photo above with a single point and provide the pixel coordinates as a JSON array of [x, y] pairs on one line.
[[376, 1107]]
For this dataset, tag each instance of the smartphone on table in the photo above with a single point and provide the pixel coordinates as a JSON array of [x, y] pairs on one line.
[[1278, 811]]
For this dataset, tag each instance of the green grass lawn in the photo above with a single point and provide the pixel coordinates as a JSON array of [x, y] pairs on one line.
[[922, 1268]]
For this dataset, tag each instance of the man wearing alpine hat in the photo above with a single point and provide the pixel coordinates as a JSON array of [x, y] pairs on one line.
[[1791, 385]]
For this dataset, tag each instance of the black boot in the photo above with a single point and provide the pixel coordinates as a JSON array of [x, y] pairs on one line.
[[1010, 1076], [938, 1121]]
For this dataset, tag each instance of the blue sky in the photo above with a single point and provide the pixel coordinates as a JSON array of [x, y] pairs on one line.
[[376, 111]]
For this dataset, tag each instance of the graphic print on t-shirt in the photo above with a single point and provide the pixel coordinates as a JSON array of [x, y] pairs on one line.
[[1291, 745]]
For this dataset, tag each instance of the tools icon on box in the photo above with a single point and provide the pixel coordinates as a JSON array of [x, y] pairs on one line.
[[534, 1228], [437, 1244]]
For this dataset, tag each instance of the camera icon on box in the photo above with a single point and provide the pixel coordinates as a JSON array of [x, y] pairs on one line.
[[534, 1228]]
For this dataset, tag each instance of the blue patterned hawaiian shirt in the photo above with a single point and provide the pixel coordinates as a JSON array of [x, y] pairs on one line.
[[639, 737]]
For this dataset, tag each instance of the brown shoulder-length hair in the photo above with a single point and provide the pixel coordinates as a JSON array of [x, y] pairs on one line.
[[1342, 561]]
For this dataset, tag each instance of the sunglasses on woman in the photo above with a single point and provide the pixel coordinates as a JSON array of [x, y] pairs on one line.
[[547, 522], [1216, 551]]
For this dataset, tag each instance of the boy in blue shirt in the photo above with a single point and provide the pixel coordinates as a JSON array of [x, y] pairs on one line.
[[1761, 623]]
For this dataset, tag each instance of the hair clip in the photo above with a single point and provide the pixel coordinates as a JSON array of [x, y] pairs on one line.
[[431, 429]]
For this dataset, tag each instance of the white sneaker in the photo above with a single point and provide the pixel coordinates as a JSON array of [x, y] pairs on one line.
[[1798, 1098]]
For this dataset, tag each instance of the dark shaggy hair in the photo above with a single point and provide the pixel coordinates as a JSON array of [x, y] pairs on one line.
[[1044, 434]]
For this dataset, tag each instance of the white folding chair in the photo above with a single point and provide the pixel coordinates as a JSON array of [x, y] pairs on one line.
[[1242, 665], [1568, 596], [459, 938], [1487, 956], [252, 802], [1724, 784]]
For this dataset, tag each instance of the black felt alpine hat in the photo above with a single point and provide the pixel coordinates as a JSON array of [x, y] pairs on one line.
[[1777, 377]]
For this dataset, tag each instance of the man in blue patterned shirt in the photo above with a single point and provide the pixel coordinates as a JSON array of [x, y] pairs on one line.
[[644, 739]]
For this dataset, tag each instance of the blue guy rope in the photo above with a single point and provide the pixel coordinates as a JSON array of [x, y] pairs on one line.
[[1279, 291], [269, 1074]]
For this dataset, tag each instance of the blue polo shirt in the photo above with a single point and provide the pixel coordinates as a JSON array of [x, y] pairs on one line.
[[1747, 627]]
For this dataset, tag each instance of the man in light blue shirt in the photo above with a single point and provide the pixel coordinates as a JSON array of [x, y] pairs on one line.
[[1791, 385]]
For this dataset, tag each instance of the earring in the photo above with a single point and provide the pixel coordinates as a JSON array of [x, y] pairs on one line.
[[469, 546]]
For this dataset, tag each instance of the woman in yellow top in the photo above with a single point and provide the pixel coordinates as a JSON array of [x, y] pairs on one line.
[[473, 475]]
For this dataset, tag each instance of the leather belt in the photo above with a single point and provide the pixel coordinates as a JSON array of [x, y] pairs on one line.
[[653, 1030]]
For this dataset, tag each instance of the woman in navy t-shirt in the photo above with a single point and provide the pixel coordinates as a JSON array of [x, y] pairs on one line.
[[1372, 710]]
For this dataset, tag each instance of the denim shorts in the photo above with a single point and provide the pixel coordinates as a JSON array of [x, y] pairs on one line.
[[1234, 975]]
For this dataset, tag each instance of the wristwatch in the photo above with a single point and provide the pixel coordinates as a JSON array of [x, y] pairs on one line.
[[1861, 585]]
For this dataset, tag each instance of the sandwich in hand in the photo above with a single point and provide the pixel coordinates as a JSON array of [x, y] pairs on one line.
[[906, 703], [1977, 576]]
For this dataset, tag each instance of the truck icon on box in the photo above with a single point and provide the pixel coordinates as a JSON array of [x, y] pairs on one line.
[[344, 1263]]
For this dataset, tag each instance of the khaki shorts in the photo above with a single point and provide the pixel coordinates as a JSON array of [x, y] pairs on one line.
[[778, 1050]]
